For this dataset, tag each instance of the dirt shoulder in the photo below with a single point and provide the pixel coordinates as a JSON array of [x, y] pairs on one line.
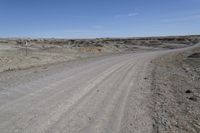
[[176, 92], [13, 57]]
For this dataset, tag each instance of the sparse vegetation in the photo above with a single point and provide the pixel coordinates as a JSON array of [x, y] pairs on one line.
[[45, 51]]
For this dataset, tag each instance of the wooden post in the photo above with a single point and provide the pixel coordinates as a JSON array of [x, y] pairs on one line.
[[26, 48]]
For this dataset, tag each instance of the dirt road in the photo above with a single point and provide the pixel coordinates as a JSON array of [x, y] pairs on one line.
[[103, 95]]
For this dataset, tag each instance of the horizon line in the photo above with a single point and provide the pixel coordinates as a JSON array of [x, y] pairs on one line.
[[128, 37]]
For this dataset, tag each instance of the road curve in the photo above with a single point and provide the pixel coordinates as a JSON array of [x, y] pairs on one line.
[[106, 95]]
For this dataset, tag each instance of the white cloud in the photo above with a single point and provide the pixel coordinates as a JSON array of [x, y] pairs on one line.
[[98, 27], [127, 15], [132, 14]]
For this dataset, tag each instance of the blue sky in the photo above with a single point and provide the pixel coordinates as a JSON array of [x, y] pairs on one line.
[[98, 18]]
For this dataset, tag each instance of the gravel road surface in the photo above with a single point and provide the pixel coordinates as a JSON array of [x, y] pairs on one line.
[[99, 95]]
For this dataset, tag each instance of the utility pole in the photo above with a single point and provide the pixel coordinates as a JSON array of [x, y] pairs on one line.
[[26, 48]]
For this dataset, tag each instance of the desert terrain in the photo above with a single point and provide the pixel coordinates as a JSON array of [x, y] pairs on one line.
[[49, 51], [104, 85]]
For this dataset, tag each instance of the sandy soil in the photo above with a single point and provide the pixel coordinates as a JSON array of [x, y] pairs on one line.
[[13, 57]]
